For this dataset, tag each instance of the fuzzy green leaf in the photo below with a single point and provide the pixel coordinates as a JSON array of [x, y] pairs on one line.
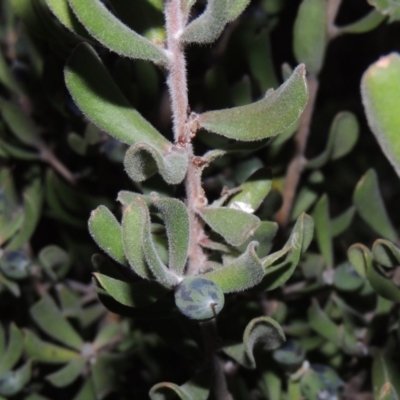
[[198, 388], [262, 332], [209, 25], [385, 378], [386, 253], [365, 24], [323, 233], [199, 298], [310, 34], [343, 136], [133, 221], [136, 294], [243, 273], [253, 192], [50, 319], [143, 160], [265, 118], [113, 34], [225, 221], [13, 382], [106, 231], [235, 8], [176, 222], [68, 374], [13, 350], [369, 204], [380, 86], [45, 352], [98, 96]]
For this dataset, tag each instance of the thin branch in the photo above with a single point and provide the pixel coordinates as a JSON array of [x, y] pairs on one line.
[[333, 9], [298, 162]]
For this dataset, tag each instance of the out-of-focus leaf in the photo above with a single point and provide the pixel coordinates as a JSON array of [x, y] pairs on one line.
[[340, 223], [100, 99], [46, 352], [310, 34], [291, 355], [379, 88], [322, 324], [68, 374], [343, 136], [243, 273], [199, 298], [12, 382], [13, 351], [10, 285], [346, 278], [385, 378], [386, 253], [365, 24], [54, 260], [17, 152], [303, 202], [107, 233], [262, 119], [137, 294], [263, 333], [198, 388], [21, 126], [225, 221], [87, 391], [32, 206], [389, 8], [46, 314], [113, 34], [323, 229], [15, 264], [270, 385], [6, 77], [369, 204]]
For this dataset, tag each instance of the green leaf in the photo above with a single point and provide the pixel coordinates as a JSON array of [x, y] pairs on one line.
[[55, 261], [263, 333], [49, 318], [6, 77], [225, 221], [323, 234], [290, 355], [197, 388], [303, 202], [87, 391], [63, 12], [380, 86], [107, 233], [243, 273], [133, 221], [343, 135], [370, 206], [12, 382], [135, 294], [19, 153], [209, 25], [357, 254], [253, 192], [265, 118], [10, 285], [143, 160], [386, 253], [68, 374], [347, 279], [385, 378], [322, 324], [113, 34], [45, 352], [106, 334], [20, 125], [199, 298], [389, 8], [340, 223], [365, 24], [176, 222], [235, 8], [298, 242], [33, 197], [15, 264], [100, 99], [310, 34], [13, 351]]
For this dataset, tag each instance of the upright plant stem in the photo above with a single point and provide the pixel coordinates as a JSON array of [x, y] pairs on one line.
[[176, 20]]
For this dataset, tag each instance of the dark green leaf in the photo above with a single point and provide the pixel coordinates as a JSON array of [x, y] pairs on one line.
[[13, 351]]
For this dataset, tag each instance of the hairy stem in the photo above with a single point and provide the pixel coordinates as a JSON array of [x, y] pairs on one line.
[[176, 20], [298, 162]]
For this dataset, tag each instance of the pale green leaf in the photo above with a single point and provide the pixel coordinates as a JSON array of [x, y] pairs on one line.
[[113, 34], [386, 253], [106, 231], [380, 87], [340, 223], [310, 34], [68, 374], [369, 204], [265, 118], [13, 350], [365, 24]]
